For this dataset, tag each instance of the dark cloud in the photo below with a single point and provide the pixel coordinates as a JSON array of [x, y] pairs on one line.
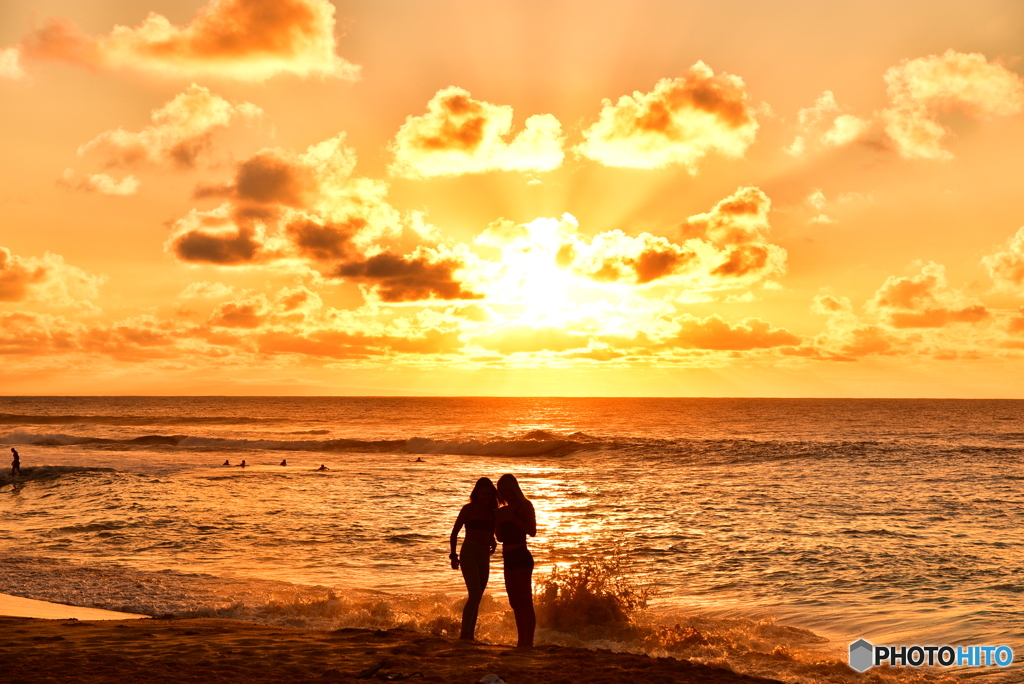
[[323, 242], [224, 248], [421, 276]]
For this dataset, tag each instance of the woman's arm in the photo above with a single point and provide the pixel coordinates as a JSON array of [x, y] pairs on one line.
[[460, 520]]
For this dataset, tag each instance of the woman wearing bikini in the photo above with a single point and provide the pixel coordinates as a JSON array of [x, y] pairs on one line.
[[516, 519], [475, 560]]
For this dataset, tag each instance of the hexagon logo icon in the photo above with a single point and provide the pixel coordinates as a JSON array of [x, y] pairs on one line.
[[861, 655]]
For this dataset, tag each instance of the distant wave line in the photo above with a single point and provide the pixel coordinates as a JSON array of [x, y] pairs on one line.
[[27, 419]]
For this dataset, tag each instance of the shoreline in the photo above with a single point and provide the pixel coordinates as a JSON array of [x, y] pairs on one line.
[[217, 650], [21, 607]]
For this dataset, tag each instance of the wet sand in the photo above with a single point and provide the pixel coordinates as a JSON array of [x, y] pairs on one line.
[[214, 650]]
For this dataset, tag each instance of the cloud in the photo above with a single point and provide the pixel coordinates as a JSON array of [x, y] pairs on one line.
[[249, 313], [714, 333], [680, 121], [817, 201], [181, 132], [285, 205], [812, 121], [845, 129], [10, 64], [206, 290], [924, 301], [1006, 267], [426, 274], [47, 280], [247, 40], [724, 249], [460, 135], [617, 257], [222, 236], [101, 183], [737, 228], [31, 333], [920, 89]]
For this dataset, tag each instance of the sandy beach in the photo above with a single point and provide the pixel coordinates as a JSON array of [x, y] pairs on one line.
[[214, 650]]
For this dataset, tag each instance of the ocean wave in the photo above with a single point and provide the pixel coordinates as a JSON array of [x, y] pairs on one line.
[[28, 419], [414, 445], [45, 472], [528, 447], [750, 645]]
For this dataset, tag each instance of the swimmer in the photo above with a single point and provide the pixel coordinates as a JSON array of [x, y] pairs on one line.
[[227, 462], [242, 464], [322, 467], [284, 462], [418, 460]]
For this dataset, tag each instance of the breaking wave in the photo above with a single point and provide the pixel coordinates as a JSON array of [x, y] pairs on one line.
[[750, 645], [415, 445]]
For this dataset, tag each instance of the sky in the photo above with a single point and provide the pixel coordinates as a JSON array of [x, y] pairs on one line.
[[646, 198]]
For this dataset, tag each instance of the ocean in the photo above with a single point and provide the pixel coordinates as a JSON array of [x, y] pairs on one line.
[[770, 532]]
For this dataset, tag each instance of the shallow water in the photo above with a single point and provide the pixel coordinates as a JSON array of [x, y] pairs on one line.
[[897, 520]]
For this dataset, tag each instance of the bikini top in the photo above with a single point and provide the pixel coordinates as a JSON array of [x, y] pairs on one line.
[[512, 534], [480, 524]]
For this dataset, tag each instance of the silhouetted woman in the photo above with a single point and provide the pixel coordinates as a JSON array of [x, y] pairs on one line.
[[475, 559], [516, 519]]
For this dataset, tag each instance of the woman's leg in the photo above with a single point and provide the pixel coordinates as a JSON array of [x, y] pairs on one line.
[[475, 568], [519, 586]]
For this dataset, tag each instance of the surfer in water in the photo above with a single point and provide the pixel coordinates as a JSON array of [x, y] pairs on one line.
[[322, 468], [242, 464], [475, 560], [227, 462], [16, 463], [284, 462]]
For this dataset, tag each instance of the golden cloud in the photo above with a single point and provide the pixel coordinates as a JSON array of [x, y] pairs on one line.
[[680, 121], [716, 334], [247, 40], [180, 133], [1006, 267], [460, 135], [47, 280], [920, 89], [285, 205], [725, 249], [824, 121], [101, 183], [925, 301], [10, 64]]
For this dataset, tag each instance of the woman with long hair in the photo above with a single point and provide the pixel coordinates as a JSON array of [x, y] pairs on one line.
[[516, 519], [475, 560]]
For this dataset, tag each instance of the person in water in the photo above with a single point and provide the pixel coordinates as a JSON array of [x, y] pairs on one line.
[[513, 521], [322, 467], [242, 464], [227, 462], [16, 463], [475, 560], [284, 462]]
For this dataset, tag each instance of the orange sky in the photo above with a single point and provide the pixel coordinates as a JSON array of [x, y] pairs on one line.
[[556, 198]]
